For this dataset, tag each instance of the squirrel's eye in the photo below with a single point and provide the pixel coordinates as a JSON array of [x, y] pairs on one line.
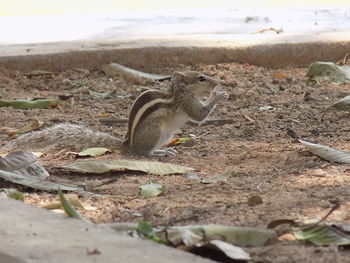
[[201, 79]]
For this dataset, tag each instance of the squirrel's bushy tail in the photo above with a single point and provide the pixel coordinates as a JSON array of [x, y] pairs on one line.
[[65, 134]]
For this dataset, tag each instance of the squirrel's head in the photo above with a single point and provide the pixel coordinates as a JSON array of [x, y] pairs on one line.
[[198, 83]]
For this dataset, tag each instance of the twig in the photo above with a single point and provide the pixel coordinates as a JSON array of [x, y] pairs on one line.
[[278, 31], [335, 207], [248, 118], [244, 106], [345, 58], [108, 181], [213, 122]]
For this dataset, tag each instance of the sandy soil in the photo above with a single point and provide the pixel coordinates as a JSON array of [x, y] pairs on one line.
[[256, 147]]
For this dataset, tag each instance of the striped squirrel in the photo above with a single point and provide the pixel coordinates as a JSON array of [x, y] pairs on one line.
[[154, 117]]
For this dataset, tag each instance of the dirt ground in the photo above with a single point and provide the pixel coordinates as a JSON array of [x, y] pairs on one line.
[[256, 147]]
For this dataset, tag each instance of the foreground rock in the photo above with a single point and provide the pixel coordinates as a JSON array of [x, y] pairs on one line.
[[30, 234]]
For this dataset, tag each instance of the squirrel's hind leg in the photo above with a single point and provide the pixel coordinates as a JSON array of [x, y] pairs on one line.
[[147, 139]]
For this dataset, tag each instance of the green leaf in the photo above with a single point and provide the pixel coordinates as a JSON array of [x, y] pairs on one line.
[[145, 228], [325, 234], [218, 178], [114, 69], [152, 189], [69, 209], [30, 104], [14, 194], [107, 165], [24, 169], [94, 152]]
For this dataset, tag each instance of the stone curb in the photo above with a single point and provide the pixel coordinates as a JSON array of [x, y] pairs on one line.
[[29, 234], [141, 54]]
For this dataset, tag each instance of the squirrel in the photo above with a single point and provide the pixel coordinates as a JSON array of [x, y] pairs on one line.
[[154, 117]]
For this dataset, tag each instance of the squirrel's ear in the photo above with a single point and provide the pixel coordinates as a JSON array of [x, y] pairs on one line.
[[178, 77]]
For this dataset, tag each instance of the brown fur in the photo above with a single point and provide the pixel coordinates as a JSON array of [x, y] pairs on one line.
[[64, 134]]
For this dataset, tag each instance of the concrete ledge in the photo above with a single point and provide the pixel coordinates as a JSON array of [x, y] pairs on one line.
[[29, 234], [265, 51]]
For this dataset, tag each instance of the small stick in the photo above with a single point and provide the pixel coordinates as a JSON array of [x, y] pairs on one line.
[[248, 118], [278, 31], [345, 58], [213, 122]]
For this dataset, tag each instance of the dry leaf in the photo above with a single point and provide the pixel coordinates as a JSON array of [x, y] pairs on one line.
[[152, 189], [103, 166], [115, 69], [94, 152], [327, 153], [279, 75], [338, 74], [342, 104], [218, 178], [34, 125], [24, 169]]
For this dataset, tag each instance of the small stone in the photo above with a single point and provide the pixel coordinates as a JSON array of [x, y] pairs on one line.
[[254, 200], [191, 176], [318, 173]]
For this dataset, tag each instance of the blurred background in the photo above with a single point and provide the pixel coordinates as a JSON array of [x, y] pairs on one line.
[[35, 21]]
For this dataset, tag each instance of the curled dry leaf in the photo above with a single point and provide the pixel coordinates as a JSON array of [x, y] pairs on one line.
[[327, 153], [24, 169], [107, 165], [226, 239], [342, 104], [94, 152], [229, 250], [34, 125], [114, 69], [324, 234], [188, 236], [217, 178], [239, 236], [152, 189], [338, 74]]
